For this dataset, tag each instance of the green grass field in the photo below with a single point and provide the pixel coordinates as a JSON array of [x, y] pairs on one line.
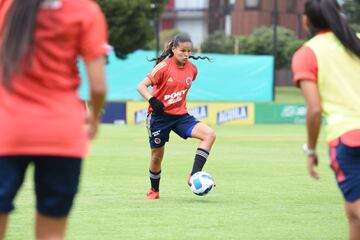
[[288, 95], [263, 191]]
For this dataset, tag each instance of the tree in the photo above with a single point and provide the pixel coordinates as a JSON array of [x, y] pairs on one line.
[[129, 23], [165, 37], [260, 42], [218, 42], [352, 10]]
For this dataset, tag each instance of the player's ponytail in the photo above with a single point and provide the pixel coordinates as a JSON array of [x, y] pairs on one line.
[[17, 37], [167, 53], [326, 14], [201, 57]]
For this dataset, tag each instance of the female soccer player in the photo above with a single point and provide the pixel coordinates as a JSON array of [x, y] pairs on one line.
[[171, 80], [326, 69], [42, 120]]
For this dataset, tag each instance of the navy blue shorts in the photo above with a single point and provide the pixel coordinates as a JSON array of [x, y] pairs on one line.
[[56, 182], [345, 162], [160, 126]]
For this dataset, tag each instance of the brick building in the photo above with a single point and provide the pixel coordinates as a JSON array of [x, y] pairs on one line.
[[236, 17], [199, 18], [251, 14]]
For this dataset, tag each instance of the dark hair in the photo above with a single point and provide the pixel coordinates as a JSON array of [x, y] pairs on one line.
[[17, 36], [326, 14], [181, 38]]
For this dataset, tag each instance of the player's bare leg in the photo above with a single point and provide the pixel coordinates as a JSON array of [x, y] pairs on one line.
[[206, 135], [353, 214], [3, 222], [48, 228], [157, 155]]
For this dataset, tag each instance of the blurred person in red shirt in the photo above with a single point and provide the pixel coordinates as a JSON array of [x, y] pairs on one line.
[[42, 120]]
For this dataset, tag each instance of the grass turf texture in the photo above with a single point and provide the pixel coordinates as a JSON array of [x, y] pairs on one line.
[[263, 191], [288, 95]]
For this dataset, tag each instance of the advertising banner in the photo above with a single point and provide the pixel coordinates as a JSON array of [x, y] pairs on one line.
[[213, 113], [279, 113], [114, 112]]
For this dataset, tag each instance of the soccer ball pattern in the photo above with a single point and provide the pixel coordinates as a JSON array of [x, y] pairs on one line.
[[201, 183]]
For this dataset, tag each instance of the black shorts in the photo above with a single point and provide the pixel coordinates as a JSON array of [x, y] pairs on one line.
[[56, 182]]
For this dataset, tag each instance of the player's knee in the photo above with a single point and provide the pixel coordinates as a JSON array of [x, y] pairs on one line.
[[354, 215], [156, 159], [211, 135], [354, 219]]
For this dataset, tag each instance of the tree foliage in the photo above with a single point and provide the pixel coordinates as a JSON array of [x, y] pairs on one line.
[[352, 11], [261, 42], [218, 42], [129, 23], [165, 37]]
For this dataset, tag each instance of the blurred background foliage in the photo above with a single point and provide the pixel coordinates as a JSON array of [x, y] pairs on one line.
[[130, 23]]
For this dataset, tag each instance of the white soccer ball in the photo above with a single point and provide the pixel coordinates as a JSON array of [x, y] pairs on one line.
[[201, 183]]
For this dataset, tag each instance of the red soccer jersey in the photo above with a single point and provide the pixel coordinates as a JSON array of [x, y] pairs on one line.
[[42, 114], [171, 84]]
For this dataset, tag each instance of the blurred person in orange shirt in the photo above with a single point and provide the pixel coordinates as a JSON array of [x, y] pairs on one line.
[[42, 120]]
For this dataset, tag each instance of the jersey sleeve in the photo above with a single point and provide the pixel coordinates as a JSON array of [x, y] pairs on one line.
[[93, 41], [304, 65], [157, 74]]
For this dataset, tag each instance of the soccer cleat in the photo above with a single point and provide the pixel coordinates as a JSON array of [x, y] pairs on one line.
[[152, 195]]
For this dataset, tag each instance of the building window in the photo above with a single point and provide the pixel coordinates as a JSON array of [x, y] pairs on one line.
[[291, 6], [252, 4]]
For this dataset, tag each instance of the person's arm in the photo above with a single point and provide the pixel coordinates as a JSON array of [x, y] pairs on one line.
[[156, 105], [143, 88], [96, 75], [313, 122], [93, 48]]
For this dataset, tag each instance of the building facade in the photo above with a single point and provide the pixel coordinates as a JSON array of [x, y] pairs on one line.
[[190, 16], [199, 18], [251, 14]]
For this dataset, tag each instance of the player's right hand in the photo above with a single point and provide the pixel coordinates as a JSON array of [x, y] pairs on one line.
[[156, 105], [91, 125], [312, 162]]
